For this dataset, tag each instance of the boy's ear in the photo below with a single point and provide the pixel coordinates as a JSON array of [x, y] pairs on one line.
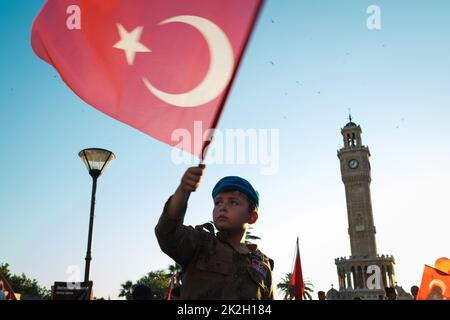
[[253, 217]]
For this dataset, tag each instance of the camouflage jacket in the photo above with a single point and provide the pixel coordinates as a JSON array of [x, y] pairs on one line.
[[212, 268]]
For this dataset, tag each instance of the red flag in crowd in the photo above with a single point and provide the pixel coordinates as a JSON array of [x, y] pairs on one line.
[[156, 65], [7, 288], [435, 283], [297, 276], [169, 291]]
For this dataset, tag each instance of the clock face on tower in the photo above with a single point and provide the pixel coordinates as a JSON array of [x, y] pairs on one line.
[[353, 164]]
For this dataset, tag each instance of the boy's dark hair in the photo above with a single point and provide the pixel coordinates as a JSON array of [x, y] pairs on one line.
[[252, 206]]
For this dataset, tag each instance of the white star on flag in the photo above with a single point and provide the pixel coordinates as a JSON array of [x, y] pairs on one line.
[[129, 42]]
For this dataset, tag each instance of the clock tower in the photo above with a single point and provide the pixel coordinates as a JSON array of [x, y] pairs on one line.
[[355, 171], [365, 273]]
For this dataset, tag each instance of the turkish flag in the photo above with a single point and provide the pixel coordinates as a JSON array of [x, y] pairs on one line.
[[435, 285], [297, 277], [7, 288], [156, 65], [169, 290]]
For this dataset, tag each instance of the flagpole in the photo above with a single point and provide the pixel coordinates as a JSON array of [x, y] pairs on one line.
[[294, 256], [228, 89], [297, 275], [294, 262]]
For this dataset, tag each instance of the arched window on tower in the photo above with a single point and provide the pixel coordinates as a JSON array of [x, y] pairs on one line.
[[351, 140], [354, 278]]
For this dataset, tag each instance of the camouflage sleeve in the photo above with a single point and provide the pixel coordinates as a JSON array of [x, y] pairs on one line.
[[269, 281], [175, 239], [271, 295]]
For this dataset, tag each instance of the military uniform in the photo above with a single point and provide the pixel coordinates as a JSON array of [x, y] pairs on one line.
[[212, 268]]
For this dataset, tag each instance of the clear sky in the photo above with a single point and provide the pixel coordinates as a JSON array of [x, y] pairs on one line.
[[307, 63]]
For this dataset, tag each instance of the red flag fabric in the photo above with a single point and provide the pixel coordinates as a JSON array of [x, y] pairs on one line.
[[435, 285], [297, 276], [169, 291], [6, 287], [156, 65]]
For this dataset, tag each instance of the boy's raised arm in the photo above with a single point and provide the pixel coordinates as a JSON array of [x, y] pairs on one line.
[[175, 239]]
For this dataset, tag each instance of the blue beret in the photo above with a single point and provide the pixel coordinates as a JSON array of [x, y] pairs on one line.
[[236, 183]]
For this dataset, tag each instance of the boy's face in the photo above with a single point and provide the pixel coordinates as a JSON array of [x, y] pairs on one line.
[[231, 211]]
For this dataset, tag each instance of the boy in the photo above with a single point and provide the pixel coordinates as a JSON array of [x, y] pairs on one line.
[[216, 266]]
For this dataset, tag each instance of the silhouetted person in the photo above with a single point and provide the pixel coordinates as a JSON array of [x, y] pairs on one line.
[[435, 293], [176, 292], [386, 290], [322, 295], [2, 294], [391, 293], [142, 292], [414, 292]]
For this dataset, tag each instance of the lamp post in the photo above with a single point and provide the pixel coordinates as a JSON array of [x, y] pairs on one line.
[[96, 161]]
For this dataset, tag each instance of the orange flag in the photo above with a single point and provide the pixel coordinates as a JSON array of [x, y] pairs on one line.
[[443, 264], [297, 277], [435, 281]]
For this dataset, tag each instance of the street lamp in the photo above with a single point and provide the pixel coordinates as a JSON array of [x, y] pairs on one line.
[[96, 161]]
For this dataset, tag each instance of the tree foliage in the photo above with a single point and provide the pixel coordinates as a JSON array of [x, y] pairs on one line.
[[28, 288], [158, 281], [287, 288]]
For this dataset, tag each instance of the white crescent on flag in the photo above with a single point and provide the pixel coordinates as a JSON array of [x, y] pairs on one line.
[[220, 69]]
